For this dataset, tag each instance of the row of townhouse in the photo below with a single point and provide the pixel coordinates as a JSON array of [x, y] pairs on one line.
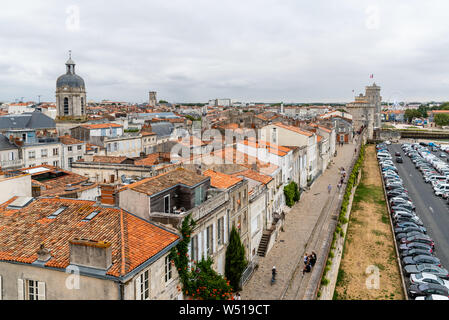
[[23, 148], [118, 247], [111, 140]]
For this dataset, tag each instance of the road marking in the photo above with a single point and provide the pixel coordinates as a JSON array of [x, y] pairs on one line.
[[431, 209]]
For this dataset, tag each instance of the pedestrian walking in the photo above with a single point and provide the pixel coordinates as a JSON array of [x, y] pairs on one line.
[[329, 188], [306, 258], [237, 296], [355, 151], [313, 259], [307, 268], [339, 186]]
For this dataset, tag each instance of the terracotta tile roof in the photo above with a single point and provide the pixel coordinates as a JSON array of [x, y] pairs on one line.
[[294, 129], [165, 181], [319, 138], [221, 180], [439, 111], [254, 175], [231, 155], [66, 139], [153, 159], [109, 159], [272, 148], [101, 126], [321, 127], [55, 181], [146, 133], [133, 240]]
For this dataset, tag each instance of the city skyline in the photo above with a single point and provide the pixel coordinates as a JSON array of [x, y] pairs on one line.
[[193, 53]]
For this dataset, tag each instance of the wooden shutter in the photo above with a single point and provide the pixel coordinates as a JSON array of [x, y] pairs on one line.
[[205, 242], [225, 229], [20, 290], [199, 246], [137, 284], [41, 291], [214, 229]]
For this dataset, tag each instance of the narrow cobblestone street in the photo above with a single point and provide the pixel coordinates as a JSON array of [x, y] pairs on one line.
[[298, 226]]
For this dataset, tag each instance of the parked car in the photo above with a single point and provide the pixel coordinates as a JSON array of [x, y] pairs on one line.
[[432, 297], [419, 238], [405, 235], [414, 219], [426, 289], [397, 200], [429, 268], [405, 224], [410, 229], [424, 277], [415, 252], [402, 207], [415, 245], [421, 259]]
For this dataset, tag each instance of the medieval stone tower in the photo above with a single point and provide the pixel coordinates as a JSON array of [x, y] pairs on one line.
[[70, 93], [152, 99], [365, 110], [372, 94]]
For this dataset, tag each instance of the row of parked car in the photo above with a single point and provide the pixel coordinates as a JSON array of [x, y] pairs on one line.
[[434, 170], [428, 280]]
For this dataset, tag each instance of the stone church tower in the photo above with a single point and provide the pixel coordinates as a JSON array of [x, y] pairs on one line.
[[70, 93], [366, 109]]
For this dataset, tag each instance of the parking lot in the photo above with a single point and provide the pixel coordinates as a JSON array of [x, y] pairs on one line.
[[416, 180], [432, 209]]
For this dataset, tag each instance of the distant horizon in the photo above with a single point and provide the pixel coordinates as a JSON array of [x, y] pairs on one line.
[[251, 102], [195, 51]]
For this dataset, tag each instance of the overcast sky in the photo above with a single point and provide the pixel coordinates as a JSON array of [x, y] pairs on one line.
[[250, 50]]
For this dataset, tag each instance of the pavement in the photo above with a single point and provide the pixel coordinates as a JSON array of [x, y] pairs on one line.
[[302, 226], [432, 210]]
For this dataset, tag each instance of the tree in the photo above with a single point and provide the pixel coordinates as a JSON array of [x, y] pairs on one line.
[[291, 193], [163, 101], [199, 281], [423, 110], [443, 106], [235, 260], [441, 119], [409, 114]]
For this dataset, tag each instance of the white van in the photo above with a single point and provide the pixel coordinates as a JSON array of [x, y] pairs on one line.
[[441, 188]]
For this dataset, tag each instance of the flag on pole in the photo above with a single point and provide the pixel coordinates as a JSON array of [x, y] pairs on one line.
[[371, 76]]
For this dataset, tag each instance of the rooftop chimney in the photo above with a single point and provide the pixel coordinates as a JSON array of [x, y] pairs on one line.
[[108, 195], [90, 253], [43, 254]]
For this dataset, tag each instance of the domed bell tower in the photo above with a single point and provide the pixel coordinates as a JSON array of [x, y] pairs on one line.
[[70, 93]]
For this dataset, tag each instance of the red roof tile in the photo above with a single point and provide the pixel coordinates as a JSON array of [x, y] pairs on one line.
[[133, 240]]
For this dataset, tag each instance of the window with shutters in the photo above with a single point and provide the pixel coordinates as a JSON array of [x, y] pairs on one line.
[[31, 289], [209, 241], [144, 288], [220, 231], [194, 248], [168, 271]]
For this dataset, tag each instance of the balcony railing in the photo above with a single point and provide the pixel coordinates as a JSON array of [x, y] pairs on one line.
[[7, 164], [217, 200]]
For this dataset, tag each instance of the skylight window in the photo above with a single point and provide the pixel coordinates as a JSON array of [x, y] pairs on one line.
[[57, 212], [91, 215]]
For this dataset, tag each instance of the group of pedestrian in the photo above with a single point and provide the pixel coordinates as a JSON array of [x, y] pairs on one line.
[[342, 177], [309, 262]]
